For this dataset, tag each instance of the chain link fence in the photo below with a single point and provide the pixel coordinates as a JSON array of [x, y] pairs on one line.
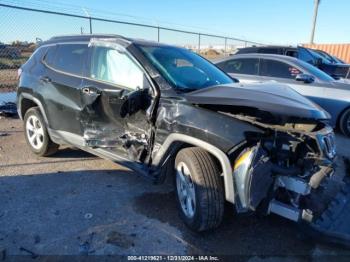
[[20, 33]]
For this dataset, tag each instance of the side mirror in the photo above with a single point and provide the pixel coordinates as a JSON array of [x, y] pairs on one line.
[[305, 78]]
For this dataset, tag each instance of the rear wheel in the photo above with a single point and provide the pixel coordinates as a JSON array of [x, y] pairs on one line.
[[344, 122], [199, 188], [36, 134]]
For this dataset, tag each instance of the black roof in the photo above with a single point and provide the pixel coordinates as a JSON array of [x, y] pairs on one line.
[[280, 47], [270, 46]]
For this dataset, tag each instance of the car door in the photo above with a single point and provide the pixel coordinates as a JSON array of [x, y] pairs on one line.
[[115, 96], [285, 73], [60, 85], [246, 70]]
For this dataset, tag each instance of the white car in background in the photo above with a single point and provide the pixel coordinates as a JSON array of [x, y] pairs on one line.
[[332, 95]]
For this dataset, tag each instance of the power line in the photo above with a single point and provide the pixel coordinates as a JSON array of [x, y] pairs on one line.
[[65, 7]]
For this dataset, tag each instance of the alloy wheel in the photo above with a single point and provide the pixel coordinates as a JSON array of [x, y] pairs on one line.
[[185, 190]]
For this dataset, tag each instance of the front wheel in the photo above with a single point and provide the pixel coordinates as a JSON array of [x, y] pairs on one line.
[[344, 123], [200, 192]]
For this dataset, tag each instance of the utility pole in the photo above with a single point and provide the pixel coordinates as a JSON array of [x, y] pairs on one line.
[[316, 4]]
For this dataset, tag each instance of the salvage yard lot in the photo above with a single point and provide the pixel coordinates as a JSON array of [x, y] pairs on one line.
[[75, 203]]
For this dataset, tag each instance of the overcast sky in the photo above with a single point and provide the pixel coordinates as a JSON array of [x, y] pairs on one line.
[[265, 21]]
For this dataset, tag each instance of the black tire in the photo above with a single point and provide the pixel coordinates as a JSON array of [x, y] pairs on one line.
[[48, 147], [208, 188], [344, 122]]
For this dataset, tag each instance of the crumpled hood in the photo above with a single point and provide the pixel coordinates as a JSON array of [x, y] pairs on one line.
[[274, 98]]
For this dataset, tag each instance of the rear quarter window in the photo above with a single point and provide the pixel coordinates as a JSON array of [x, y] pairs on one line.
[[50, 55], [34, 59]]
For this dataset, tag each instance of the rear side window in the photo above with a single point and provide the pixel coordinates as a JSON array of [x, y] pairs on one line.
[[272, 68], [292, 53], [248, 66], [68, 58]]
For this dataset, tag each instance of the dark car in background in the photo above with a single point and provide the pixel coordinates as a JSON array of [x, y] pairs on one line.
[[166, 111], [332, 95], [331, 58], [332, 67]]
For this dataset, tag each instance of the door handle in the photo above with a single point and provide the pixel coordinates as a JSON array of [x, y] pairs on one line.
[[45, 79], [90, 90]]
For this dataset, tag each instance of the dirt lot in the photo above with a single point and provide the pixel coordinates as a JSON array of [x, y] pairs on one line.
[[8, 78], [75, 203]]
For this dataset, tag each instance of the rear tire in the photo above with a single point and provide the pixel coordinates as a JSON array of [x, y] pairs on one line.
[[36, 134], [197, 176], [344, 122]]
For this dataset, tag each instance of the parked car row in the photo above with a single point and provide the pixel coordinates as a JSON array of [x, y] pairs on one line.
[[320, 59], [165, 111], [308, 80]]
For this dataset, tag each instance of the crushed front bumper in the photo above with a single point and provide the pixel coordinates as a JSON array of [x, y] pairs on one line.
[[333, 225]]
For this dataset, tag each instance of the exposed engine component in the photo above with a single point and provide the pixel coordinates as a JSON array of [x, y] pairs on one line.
[[282, 167]]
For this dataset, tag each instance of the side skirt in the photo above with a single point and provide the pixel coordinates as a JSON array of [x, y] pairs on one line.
[[63, 137]]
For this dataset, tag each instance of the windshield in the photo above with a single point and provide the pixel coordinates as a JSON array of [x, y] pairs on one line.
[[318, 56], [314, 71], [325, 55], [183, 69]]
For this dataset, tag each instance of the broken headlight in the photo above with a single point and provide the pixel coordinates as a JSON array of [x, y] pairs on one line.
[[252, 175], [240, 174], [327, 144]]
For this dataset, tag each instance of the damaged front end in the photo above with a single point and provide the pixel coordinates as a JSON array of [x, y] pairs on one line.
[[290, 171], [282, 167], [279, 169]]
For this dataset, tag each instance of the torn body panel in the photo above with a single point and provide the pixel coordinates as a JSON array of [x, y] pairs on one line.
[[178, 116], [116, 120]]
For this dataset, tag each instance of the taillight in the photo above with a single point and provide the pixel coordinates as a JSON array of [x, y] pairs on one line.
[[19, 72]]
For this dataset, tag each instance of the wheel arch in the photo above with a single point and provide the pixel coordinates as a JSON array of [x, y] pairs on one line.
[[341, 114], [27, 101], [186, 141]]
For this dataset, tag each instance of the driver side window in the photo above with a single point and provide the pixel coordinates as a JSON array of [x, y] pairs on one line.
[[110, 65]]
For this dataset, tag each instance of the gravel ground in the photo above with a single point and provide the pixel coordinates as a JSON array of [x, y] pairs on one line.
[[77, 204]]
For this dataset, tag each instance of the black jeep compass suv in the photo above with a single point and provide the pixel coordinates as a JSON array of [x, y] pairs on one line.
[[166, 111]]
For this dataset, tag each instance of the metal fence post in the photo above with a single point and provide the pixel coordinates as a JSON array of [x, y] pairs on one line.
[[158, 29], [90, 21], [199, 43], [225, 45]]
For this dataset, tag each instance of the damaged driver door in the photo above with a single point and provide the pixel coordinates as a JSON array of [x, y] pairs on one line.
[[115, 96]]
